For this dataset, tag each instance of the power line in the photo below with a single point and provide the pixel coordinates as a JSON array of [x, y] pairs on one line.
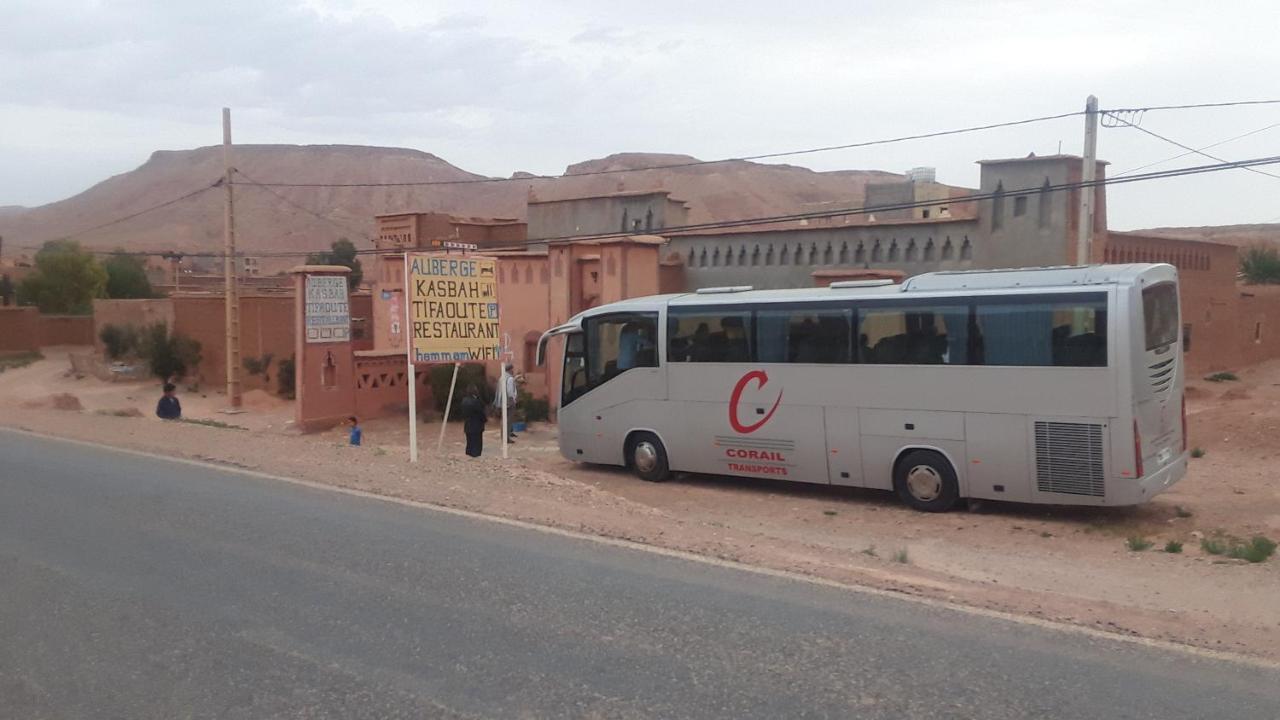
[[777, 219], [153, 208], [1194, 106], [695, 163], [309, 211], [1191, 150]]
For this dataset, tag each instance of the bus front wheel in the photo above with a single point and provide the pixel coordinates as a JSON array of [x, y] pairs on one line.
[[926, 481], [648, 458]]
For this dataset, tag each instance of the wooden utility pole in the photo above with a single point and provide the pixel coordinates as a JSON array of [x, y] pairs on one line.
[[1088, 174], [232, 300]]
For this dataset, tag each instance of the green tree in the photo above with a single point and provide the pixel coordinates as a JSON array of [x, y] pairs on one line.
[[127, 277], [65, 280], [1260, 265], [7, 290], [341, 252]]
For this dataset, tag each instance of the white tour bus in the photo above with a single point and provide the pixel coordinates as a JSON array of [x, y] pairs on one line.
[[1043, 385]]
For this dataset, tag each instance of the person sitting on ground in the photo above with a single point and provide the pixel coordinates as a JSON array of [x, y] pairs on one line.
[[357, 434], [169, 408]]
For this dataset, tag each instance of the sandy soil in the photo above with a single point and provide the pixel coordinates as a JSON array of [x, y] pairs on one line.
[[1064, 564]]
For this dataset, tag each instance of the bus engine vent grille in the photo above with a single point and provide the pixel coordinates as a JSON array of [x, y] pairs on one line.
[[1069, 458]]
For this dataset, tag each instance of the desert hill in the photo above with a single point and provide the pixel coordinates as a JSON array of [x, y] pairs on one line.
[[1238, 235], [309, 218]]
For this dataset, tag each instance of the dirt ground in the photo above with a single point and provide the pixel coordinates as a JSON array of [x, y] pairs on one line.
[[1064, 564]]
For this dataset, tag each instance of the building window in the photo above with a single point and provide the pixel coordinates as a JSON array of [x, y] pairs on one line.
[[893, 251], [693, 258], [844, 253], [877, 253], [768, 256], [742, 256], [966, 251], [925, 213], [625, 222], [827, 256], [755, 256], [1020, 206], [929, 251], [702, 258], [860, 255], [1045, 191], [528, 274], [912, 252], [948, 251], [648, 220], [715, 258], [784, 257], [997, 207]]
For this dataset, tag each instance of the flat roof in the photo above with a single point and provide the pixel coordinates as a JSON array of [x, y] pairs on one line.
[[862, 224], [1037, 158], [603, 196]]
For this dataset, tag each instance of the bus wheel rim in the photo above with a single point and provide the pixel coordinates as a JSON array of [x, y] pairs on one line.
[[646, 456], [924, 483]]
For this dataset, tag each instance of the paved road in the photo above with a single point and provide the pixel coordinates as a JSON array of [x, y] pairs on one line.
[[133, 587]]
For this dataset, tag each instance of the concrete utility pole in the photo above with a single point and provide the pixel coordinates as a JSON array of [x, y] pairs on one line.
[[232, 300], [1088, 173]]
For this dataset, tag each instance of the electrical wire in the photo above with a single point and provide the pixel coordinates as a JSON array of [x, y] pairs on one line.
[[359, 233], [1190, 149], [695, 163], [1195, 151], [153, 208]]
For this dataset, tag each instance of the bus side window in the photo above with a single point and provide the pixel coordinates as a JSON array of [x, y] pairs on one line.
[[914, 335], [803, 335], [709, 336], [1071, 332], [617, 343]]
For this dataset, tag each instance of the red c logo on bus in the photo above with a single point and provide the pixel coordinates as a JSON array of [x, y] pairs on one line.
[[761, 378]]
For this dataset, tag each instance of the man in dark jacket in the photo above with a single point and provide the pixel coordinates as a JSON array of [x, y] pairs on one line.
[[473, 420], [169, 408]]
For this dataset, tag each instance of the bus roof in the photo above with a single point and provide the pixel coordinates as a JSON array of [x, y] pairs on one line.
[[1065, 277]]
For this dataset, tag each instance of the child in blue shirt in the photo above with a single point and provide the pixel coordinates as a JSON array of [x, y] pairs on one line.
[[356, 433]]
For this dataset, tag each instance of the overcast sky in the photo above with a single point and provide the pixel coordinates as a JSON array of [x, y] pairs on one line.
[[90, 89]]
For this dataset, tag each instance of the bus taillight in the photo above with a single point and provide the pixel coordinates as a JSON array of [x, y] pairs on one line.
[[1184, 423], [1137, 451]]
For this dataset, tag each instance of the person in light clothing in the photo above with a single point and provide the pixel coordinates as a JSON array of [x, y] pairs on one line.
[[506, 386]]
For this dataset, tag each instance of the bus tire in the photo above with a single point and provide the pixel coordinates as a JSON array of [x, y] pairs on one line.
[[647, 458], [925, 480]]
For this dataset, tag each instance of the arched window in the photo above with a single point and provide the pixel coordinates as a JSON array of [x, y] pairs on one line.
[[997, 207], [827, 256], [844, 253], [930, 252], [966, 251], [715, 258], [948, 252], [702, 258], [768, 256], [877, 253], [528, 274], [784, 257], [742, 256], [1045, 196], [755, 256], [860, 255], [693, 257], [911, 254], [893, 251]]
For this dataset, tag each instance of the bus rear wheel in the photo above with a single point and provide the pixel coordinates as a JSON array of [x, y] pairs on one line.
[[647, 457], [926, 481]]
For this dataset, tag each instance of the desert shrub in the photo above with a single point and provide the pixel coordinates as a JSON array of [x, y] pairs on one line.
[[1197, 453], [259, 366], [1260, 265], [120, 341], [286, 377], [440, 375], [169, 355], [1222, 377], [1137, 543], [1173, 546], [533, 409], [1257, 550]]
